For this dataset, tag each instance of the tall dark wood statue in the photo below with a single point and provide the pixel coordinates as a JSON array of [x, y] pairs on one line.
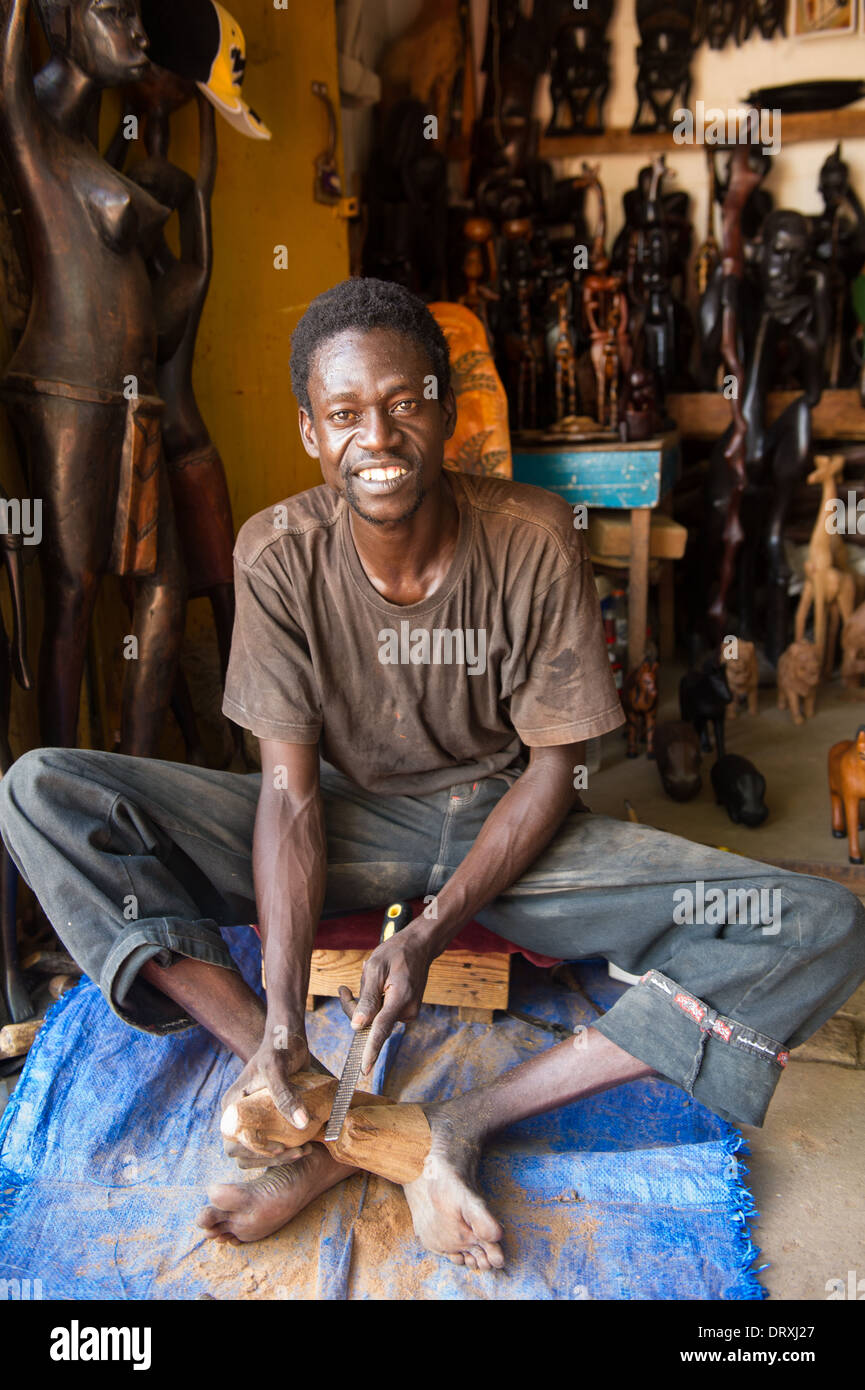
[[180, 284], [743, 178], [81, 387], [839, 245], [793, 326]]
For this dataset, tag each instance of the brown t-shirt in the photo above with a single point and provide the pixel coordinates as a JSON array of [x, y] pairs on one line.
[[410, 700]]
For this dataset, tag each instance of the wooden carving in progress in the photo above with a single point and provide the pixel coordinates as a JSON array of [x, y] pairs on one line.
[[378, 1134]]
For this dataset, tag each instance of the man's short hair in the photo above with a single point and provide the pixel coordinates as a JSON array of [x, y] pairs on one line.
[[366, 304]]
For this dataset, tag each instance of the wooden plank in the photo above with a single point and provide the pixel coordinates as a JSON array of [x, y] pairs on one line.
[[609, 534], [456, 977], [706, 414], [638, 587]]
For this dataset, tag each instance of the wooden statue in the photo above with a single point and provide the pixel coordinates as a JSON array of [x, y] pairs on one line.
[[767, 16], [798, 678], [703, 699], [81, 387], [839, 246], [847, 789], [520, 345], [580, 69], [661, 327], [717, 21], [378, 1135], [478, 265], [677, 750], [640, 703], [605, 311], [564, 356], [742, 678], [741, 789], [793, 316], [853, 649], [709, 254], [663, 62], [829, 586], [180, 285]]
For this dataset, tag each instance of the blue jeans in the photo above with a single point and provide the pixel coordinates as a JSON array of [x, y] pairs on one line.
[[135, 859]]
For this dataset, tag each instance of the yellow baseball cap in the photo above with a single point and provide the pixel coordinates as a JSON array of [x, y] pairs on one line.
[[201, 41], [223, 86]]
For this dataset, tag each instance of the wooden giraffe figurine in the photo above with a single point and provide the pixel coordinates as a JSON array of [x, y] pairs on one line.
[[828, 584]]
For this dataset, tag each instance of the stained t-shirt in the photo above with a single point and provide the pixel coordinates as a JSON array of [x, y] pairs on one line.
[[408, 700]]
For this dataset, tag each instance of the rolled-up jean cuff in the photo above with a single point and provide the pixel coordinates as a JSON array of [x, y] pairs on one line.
[[157, 939], [726, 1066]]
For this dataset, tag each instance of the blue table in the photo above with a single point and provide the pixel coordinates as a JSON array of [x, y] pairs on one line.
[[633, 477]]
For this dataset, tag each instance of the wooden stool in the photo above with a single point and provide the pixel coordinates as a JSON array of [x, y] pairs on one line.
[[476, 983], [609, 537]]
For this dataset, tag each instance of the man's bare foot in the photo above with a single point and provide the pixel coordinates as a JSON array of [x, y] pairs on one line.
[[450, 1217], [247, 1211]]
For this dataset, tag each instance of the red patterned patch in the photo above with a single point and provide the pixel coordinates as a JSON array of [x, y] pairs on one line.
[[691, 1006], [783, 1058], [722, 1029]]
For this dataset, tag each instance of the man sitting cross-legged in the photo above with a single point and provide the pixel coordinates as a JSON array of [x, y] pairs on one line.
[[420, 654]]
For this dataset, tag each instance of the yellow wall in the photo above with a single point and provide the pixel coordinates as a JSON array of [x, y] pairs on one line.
[[264, 198]]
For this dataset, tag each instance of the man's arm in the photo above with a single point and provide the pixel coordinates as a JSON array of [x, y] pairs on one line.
[[289, 858], [516, 831]]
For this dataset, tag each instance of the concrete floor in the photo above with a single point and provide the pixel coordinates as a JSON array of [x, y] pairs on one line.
[[806, 1162]]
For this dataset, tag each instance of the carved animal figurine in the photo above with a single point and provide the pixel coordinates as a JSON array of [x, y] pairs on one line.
[[798, 678], [703, 699], [677, 750], [640, 703], [828, 585], [740, 788], [742, 678], [847, 788], [378, 1135], [853, 649]]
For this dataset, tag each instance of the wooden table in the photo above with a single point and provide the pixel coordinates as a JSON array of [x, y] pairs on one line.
[[634, 477]]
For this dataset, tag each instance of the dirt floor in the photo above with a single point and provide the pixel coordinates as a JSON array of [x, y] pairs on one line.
[[806, 1162]]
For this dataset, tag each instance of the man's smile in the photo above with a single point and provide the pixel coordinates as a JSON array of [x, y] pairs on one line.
[[380, 477]]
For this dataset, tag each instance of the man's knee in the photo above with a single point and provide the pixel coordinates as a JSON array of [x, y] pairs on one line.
[[34, 781], [838, 922]]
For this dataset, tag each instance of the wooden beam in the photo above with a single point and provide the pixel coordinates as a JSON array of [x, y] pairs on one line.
[[706, 414], [795, 129]]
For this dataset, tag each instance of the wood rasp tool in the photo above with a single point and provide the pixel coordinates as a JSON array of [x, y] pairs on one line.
[[397, 916]]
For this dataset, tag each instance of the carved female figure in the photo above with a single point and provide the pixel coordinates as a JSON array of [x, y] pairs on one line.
[[81, 386]]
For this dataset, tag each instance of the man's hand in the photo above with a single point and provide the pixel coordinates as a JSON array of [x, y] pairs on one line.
[[277, 1060], [391, 989]]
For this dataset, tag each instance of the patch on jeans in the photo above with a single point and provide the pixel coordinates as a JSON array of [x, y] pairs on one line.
[[691, 1006], [726, 1029]]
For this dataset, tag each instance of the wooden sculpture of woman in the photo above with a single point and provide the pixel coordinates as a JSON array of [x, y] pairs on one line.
[[81, 385], [195, 471]]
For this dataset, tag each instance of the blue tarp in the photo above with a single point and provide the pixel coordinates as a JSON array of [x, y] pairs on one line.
[[110, 1140]]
